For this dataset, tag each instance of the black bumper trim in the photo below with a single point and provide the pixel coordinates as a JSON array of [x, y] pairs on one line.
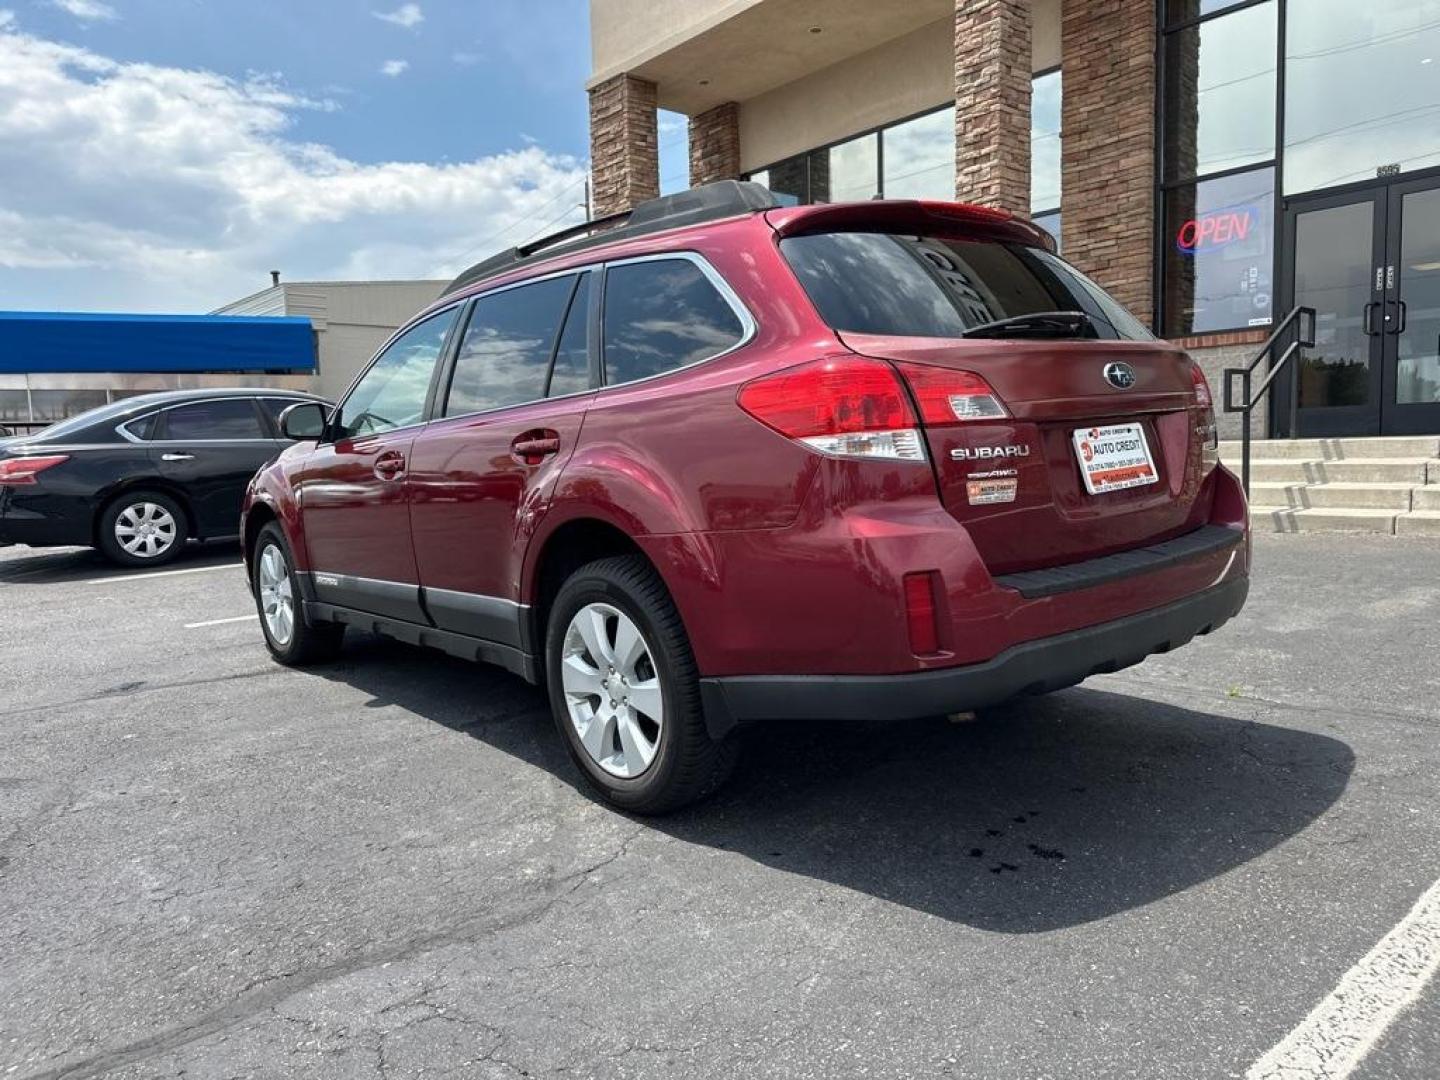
[[1144, 560], [1038, 666]]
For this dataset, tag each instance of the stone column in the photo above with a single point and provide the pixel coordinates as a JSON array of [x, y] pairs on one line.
[[1107, 157], [715, 144], [624, 145], [992, 103]]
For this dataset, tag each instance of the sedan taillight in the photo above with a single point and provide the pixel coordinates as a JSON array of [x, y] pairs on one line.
[[18, 471], [1208, 431]]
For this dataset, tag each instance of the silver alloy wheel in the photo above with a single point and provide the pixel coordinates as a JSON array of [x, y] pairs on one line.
[[277, 598], [612, 690], [146, 530]]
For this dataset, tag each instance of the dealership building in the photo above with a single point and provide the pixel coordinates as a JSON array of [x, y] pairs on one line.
[[1213, 163]]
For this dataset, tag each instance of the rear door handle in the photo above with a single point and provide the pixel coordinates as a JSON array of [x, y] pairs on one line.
[[534, 446], [177, 457]]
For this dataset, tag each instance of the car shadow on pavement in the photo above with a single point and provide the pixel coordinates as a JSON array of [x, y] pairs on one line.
[[1045, 814], [54, 566]]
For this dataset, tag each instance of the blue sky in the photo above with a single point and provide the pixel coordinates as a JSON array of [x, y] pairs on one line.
[[164, 154]]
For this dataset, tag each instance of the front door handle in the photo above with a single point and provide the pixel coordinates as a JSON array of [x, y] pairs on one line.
[[534, 447], [390, 465], [1400, 313], [177, 457]]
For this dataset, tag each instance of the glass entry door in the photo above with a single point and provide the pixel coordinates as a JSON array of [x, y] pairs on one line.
[[1411, 397], [1369, 264]]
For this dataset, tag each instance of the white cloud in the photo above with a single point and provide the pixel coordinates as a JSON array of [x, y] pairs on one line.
[[136, 186], [407, 15], [392, 68], [88, 10]]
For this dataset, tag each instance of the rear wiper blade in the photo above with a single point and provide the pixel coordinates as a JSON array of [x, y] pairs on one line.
[[1037, 324]]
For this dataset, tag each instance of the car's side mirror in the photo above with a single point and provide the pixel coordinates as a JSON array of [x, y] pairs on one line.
[[304, 421]]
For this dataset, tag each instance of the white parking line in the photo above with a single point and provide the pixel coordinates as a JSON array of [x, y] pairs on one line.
[[221, 622], [160, 573], [1343, 1028]]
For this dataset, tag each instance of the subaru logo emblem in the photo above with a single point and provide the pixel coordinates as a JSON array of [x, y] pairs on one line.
[[1121, 376]]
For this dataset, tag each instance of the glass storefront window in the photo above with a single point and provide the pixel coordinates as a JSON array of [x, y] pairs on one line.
[[920, 157], [1220, 93], [1219, 257], [1045, 142], [1051, 224], [846, 173], [1179, 11], [1362, 90]]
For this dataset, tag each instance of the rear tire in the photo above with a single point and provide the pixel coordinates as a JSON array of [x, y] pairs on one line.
[[142, 528], [625, 691], [292, 639]]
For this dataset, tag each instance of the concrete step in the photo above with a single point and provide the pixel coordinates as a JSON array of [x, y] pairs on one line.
[[1351, 471], [1387, 446], [1263, 519], [1277, 494], [1419, 523], [1426, 498]]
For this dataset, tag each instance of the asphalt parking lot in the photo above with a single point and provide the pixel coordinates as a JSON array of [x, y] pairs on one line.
[[211, 866]]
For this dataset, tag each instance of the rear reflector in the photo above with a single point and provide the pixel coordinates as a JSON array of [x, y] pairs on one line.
[[946, 396], [920, 613], [18, 471], [843, 406]]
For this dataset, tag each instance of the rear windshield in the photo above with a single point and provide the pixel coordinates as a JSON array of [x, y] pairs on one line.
[[921, 286]]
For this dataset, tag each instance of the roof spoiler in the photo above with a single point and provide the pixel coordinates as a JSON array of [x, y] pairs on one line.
[[886, 215]]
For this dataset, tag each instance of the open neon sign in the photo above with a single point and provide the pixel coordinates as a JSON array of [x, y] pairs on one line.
[[1216, 229]]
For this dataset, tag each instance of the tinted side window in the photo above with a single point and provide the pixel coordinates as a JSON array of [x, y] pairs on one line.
[[392, 393], [571, 373], [662, 315], [233, 418], [506, 350], [143, 427]]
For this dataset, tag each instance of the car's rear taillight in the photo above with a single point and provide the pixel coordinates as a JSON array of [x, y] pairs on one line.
[[844, 406], [946, 396], [17, 471], [1208, 431]]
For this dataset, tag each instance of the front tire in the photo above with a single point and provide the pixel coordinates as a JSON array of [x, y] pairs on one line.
[[625, 691], [292, 639]]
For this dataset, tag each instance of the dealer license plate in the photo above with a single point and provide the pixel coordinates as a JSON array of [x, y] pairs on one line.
[[1114, 457]]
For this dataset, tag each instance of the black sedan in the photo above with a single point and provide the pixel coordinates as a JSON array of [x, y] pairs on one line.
[[139, 477]]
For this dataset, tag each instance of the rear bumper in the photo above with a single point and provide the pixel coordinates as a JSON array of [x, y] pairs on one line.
[[39, 518], [1043, 664]]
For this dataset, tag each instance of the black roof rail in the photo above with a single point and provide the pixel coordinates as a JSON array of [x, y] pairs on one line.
[[709, 202]]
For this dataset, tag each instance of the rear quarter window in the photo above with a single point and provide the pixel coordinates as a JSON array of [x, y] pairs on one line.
[[663, 314], [918, 286]]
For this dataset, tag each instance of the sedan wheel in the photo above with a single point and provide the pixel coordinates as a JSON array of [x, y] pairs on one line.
[[146, 530], [277, 599], [612, 690]]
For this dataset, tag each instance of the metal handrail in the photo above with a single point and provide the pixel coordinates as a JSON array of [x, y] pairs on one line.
[[1303, 319]]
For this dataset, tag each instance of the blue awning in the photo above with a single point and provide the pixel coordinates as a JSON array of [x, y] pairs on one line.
[[33, 342]]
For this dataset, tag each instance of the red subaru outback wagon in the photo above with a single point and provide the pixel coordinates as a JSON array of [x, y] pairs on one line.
[[719, 461]]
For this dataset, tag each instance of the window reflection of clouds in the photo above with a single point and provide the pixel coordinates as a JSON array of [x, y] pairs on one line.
[[1361, 89], [920, 157], [1045, 142], [392, 393], [660, 316], [506, 349]]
